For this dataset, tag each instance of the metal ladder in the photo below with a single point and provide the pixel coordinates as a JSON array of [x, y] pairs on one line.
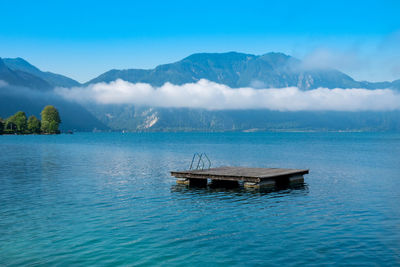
[[200, 158]]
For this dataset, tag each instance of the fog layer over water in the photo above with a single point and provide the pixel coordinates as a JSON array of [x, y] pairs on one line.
[[210, 95]]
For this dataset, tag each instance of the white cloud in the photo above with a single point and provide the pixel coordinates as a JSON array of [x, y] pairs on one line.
[[363, 58], [324, 58], [214, 96]]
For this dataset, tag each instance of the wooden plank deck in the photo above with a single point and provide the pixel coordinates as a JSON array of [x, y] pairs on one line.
[[245, 174]]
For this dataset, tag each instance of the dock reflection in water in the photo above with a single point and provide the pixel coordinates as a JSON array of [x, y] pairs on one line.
[[238, 190]]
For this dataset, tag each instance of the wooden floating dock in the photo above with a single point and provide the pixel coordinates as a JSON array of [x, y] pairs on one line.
[[251, 177]]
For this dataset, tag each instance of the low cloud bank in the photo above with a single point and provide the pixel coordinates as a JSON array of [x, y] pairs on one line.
[[213, 96]]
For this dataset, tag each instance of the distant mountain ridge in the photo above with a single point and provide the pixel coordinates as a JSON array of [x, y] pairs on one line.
[[271, 70], [53, 79], [22, 78]]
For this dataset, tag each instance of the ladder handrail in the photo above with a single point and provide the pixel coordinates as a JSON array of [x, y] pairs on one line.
[[209, 161], [200, 162], [194, 156]]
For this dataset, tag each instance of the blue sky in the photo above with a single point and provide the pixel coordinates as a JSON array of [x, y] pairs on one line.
[[82, 39]]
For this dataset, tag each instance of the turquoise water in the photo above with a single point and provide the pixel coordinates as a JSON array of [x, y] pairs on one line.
[[108, 199]]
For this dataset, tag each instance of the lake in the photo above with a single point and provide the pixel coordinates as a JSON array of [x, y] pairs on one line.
[[108, 199]]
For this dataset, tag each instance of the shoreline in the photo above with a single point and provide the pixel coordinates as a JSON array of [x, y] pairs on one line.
[[32, 134]]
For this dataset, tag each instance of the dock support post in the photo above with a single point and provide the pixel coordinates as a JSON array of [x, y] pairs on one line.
[[297, 179], [182, 181], [262, 184]]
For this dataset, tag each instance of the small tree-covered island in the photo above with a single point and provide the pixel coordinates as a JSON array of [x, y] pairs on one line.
[[20, 124]]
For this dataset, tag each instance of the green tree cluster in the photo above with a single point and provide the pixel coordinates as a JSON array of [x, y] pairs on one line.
[[50, 120], [34, 125], [1, 125], [20, 124]]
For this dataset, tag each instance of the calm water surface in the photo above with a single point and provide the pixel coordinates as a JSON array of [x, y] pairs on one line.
[[108, 199]]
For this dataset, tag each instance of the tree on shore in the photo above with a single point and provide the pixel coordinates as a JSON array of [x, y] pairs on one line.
[[34, 125], [2, 124], [17, 122], [50, 120], [10, 127]]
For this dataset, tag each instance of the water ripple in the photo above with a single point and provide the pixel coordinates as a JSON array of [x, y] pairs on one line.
[[108, 199]]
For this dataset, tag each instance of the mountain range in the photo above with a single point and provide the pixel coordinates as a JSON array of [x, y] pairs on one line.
[[52, 79], [24, 87], [271, 70]]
